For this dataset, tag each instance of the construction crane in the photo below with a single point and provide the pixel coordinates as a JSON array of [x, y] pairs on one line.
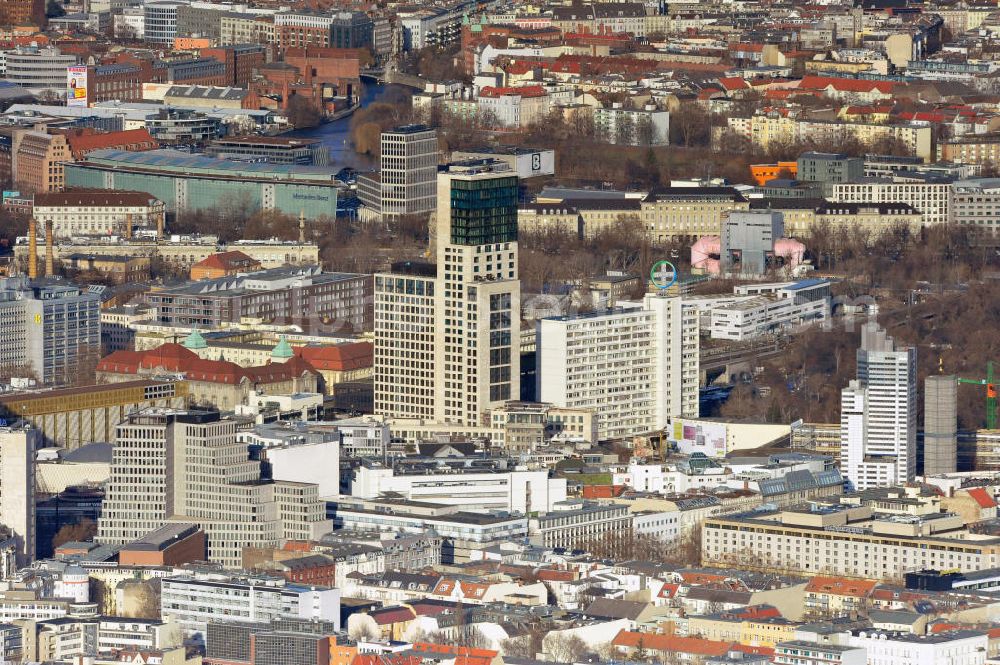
[[991, 394]]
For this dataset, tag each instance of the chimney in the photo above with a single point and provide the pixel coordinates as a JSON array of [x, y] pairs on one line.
[[128, 226], [50, 268], [159, 226], [32, 248]]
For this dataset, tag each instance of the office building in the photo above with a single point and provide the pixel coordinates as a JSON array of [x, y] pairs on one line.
[[38, 69], [845, 540], [351, 30], [304, 295], [99, 212], [829, 167], [195, 602], [634, 367], [52, 328], [160, 24], [931, 198], [73, 417], [446, 336], [196, 471], [578, 524], [748, 241], [406, 183], [474, 484], [764, 309], [18, 444], [463, 532], [940, 424], [878, 419]]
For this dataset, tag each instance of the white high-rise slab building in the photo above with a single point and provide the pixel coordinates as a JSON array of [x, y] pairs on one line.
[[446, 336], [188, 466], [17, 486], [878, 414], [407, 180], [635, 367]]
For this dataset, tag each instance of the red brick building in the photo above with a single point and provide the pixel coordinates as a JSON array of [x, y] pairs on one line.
[[312, 570], [22, 12], [170, 545], [83, 141], [241, 62], [115, 82]]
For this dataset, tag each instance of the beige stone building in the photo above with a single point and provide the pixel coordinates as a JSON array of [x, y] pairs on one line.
[[38, 159]]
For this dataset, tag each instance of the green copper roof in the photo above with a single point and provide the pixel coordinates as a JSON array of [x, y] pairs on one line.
[[195, 340], [283, 349]]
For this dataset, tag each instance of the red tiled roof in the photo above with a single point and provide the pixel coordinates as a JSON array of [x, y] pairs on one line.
[[840, 586], [521, 91], [226, 261], [700, 578], [982, 497], [845, 85], [669, 590], [654, 642], [129, 139], [385, 659], [463, 655], [176, 358], [390, 615], [549, 575], [733, 83], [339, 358]]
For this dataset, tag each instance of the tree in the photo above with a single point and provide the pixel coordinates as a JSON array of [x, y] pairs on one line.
[[54, 9], [82, 531], [565, 648], [302, 112], [690, 125]]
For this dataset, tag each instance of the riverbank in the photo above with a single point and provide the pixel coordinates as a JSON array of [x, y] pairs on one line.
[[336, 134]]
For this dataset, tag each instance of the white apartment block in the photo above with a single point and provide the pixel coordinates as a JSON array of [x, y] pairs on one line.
[[976, 203], [512, 491], [17, 487], [25, 605], [933, 200], [634, 367], [645, 126], [957, 647], [65, 638], [878, 419], [446, 336], [170, 465], [192, 603], [800, 652]]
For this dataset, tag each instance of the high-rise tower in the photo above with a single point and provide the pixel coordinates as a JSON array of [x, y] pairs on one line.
[[446, 336], [878, 418]]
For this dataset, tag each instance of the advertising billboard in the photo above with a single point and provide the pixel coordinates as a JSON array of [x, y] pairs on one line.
[[76, 86]]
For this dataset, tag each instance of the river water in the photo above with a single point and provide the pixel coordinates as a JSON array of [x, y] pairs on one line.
[[337, 135]]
